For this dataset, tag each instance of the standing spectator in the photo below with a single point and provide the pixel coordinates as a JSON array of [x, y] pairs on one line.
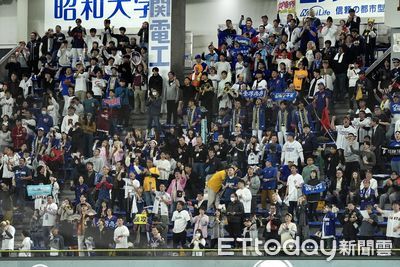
[[160, 207], [252, 181], [78, 43], [201, 222], [340, 65], [269, 177], [288, 229], [351, 222], [329, 31], [353, 21], [49, 213], [292, 151], [121, 234], [302, 212], [154, 110], [294, 184], [234, 212], [244, 196], [140, 88], [171, 96], [156, 81], [393, 224], [144, 34], [180, 219], [124, 93], [33, 55], [328, 230], [19, 134], [7, 236], [26, 244]]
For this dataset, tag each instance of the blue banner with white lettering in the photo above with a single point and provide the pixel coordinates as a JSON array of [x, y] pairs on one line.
[[253, 93], [314, 189], [289, 96], [39, 190]]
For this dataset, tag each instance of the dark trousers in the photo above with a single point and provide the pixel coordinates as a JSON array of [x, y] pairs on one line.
[[154, 119], [179, 239], [172, 111], [369, 55], [124, 115], [33, 66], [352, 91], [340, 86], [312, 207], [292, 207]]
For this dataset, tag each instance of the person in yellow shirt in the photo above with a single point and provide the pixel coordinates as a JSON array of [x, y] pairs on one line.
[[300, 78], [151, 173], [214, 186]]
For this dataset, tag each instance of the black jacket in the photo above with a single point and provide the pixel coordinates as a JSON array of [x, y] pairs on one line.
[[235, 212], [156, 82]]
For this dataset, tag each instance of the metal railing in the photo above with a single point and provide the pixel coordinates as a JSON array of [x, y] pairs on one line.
[[3, 62]]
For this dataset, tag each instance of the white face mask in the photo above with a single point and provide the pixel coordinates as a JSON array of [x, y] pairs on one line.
[[44, 112], [233, 199], [198, 235], [154, 93]]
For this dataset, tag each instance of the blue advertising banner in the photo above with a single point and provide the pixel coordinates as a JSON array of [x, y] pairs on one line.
[[39, 190]]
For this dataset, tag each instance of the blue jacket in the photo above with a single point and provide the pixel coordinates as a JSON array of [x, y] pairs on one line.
[[228, 191], [273, 152], [196, 118], [277, 85], [271, 174], [261, 117], [395, 144], [124, 93], [45, 121], [297, 119], [329, 224]]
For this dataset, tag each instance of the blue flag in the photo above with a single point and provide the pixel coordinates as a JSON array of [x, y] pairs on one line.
[[243, 41], [284, 96], [224, 37], [314, 189], [229, 39]]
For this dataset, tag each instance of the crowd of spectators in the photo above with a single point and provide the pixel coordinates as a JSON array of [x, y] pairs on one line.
[[223, 164]]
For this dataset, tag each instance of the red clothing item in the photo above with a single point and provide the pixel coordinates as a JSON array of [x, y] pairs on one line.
[[18, 135], [103, 122]]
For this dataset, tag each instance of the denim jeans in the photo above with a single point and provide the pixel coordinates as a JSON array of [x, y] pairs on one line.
[[198, 167]]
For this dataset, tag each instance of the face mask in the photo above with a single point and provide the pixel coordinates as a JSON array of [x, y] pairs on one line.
[[154, 94], [198, 235], [44, 112], [233, 199]]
